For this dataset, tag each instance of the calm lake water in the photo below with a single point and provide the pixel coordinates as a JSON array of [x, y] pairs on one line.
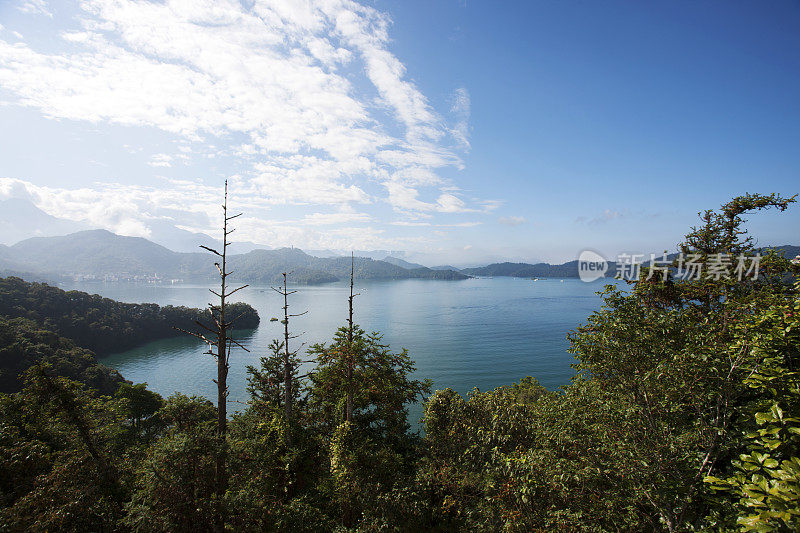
[[462, 334]]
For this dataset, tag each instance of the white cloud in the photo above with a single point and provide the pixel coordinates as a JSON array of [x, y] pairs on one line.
[[35, 7], [461, 225], [136, 210], [449, 203], [160, 160], [127, 210], [280, 234], [606, 216], [343, 217], [405, 199], [410, 223], [461, 109], [511, 220], [280, 85]]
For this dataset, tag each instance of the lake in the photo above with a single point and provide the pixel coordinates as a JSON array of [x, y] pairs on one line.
[[482, 332]]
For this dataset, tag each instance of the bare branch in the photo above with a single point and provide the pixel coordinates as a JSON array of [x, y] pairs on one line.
[[213, 251], [238, 344], [215, 332], [235, 290], [193, 334]]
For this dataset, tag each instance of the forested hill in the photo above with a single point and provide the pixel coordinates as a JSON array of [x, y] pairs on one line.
[[102, 254], [570, 269], [527, 270], [101, 324], [405, 264], [24, 343], [266, 265]]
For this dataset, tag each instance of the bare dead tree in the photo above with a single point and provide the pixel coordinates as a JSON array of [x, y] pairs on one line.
[[288, 355], [219, 341], [350, 354]]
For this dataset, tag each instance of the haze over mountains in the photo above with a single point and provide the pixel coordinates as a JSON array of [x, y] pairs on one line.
[[20, 219], [102, 255], [47, 253]]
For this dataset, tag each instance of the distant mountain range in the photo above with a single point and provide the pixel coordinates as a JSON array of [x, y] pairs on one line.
[[20, 219], [445, 267], [405, 264], [102, 255], [538, 270], [570, 268]]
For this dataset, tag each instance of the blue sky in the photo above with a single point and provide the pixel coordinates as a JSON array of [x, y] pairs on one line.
[[458, 131]]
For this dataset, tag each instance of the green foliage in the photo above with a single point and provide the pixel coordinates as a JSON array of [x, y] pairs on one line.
[[140, 407], [664, 384], [266, 383], [23, 344], [57, 448], [100, 324], [274, 475], [381, 385], [764, 480], [682, 416], [173, 480]]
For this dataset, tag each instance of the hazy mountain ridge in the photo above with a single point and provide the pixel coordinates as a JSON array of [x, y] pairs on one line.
[[789, 251], [405, 264], [266, 266], [446, 267], [527, 270], [100, 254], [104, 255], [21, 219], [570, 268]]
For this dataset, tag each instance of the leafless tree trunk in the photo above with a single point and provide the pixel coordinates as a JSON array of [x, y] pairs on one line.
[[350, 354], [219, 344]]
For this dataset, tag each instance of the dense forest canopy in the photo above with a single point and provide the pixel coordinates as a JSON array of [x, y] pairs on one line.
[[24, 343], [101, 324], [683, 415]]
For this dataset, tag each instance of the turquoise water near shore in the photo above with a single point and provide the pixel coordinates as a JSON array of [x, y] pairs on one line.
[[482, 332]]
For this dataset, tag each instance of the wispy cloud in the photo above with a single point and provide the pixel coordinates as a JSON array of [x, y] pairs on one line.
[[511, 220], [160, 160], [342, 217], [124, 209], [35, 7], [134, 210], [284, 79], [461, 109], [606, 216]]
